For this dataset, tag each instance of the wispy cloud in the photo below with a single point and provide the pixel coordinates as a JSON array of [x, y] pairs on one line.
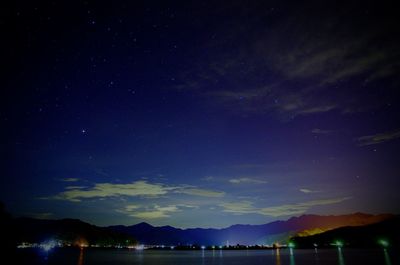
[[308, 191], [208, 178], [320, 131], [265, 74], [274, 99], [103, 190], [46, 215], [298, 208], [201, 192], [148, 213], [69, 179], [74, 187], [247, 180], [246, 207], [141, 188], [316, 109], [242, 207], [131, 207], [378, 138]]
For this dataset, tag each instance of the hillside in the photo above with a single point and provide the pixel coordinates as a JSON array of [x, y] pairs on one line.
[[69, 230], [360, 236]]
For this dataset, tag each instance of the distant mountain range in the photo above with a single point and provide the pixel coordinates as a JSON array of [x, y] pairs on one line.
[[386, 232], [17, 230], [245, 234]]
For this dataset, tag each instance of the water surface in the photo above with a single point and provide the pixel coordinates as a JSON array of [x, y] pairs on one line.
[[211, 257]]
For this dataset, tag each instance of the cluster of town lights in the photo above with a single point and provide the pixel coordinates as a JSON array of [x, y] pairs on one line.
[[48, 245]]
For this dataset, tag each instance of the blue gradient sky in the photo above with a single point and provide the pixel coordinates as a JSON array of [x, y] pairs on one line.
[[199, 114]]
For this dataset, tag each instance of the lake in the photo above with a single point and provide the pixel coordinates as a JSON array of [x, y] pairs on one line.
[[64, 256]]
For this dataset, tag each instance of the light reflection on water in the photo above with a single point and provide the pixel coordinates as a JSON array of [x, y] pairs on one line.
[[337, 256], [387, 258], [291, 257], [316, 256], [80, 258], [340, 256], [278, 257], [292, 260]]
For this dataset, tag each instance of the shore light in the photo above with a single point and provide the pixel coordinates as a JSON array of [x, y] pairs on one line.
[[384, 243], [338, 243]]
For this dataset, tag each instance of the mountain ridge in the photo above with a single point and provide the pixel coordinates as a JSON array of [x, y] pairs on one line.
[[68, 230], [25, 229], [383, 215], [245, 233]]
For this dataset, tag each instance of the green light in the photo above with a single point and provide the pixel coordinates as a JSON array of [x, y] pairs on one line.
[[338, 243], [291, 245], [383, 243]]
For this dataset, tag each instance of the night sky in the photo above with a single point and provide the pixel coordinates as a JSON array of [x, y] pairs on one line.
[[199, 114]]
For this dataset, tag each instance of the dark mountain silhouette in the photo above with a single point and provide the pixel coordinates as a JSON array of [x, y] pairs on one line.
[[68, 230], [17, 230], [245, 234], [359, 236]]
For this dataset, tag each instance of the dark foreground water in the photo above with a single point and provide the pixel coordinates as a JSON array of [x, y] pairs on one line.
[[218, 257]]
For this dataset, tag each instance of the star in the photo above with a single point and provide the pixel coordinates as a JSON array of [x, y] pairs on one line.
[[162, 92]]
